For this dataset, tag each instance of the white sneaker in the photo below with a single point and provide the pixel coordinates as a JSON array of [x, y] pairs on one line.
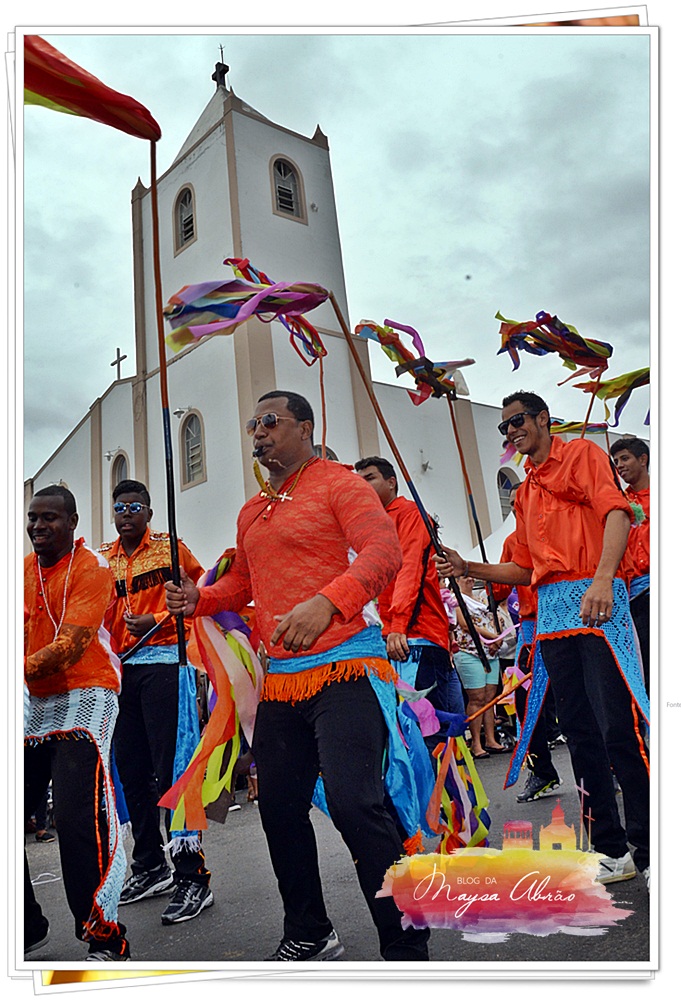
[[646, 873], [616, 869]]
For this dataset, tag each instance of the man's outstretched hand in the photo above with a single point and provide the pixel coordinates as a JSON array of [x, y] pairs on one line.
[[451, 564]]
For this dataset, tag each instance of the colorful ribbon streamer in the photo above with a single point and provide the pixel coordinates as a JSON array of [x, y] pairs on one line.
[[549, 335], [221, 306], [432, 378]]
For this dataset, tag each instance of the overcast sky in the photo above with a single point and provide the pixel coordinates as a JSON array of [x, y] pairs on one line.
[[473, 172]]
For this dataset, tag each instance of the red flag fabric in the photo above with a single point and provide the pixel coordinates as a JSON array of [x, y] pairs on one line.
[[53, 81]]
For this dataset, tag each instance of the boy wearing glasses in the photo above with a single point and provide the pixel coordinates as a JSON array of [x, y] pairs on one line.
[[572, 529], [148, 746]]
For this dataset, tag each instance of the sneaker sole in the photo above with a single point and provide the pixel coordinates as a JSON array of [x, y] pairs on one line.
[[615, 878], [330, 956], [208, 901], [154, 890], [544, 793]]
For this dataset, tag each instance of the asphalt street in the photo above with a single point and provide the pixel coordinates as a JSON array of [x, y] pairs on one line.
[[245, 922]]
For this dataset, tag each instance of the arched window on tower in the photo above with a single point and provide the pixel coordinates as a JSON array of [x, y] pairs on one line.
[[119, 470], [287, 190], [184, 220], [506, 480], [192, 450]]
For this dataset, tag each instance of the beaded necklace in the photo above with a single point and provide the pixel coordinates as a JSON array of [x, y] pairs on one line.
[[43, 591]]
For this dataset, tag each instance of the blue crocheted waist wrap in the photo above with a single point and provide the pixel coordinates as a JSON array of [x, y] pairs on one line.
[[368, 642]]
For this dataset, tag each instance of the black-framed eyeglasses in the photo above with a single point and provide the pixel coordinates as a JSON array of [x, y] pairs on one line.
[[517, 420], [135, 507], [268, 420]]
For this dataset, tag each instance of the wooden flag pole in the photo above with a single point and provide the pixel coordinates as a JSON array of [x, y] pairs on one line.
[[405, 472], [165, 409]]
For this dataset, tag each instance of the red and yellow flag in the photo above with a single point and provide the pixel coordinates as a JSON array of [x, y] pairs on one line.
[[53, 81]]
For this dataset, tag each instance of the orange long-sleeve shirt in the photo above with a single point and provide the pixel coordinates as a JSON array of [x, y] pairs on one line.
[[139, 585], [80, 656], [561, 509], [289, 550], [638, 545], [411, 603]]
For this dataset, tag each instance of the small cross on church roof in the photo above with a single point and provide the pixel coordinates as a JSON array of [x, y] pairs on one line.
[[221, 71]]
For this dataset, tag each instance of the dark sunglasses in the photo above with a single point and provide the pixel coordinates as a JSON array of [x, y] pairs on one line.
[[517, 420], [268, 420], [135, 507]]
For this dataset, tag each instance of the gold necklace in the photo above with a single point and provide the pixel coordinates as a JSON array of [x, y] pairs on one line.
[[267, 492]]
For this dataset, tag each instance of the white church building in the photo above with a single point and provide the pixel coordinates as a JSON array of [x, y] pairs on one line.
[[243, 186]]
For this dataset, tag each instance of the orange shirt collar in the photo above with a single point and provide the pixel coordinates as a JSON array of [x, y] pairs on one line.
[[145, 542]]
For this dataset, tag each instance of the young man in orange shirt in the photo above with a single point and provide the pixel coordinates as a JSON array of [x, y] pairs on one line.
[[73, 679], [572, 529], [415, 623], [150, 748], [632, 460], [320, 711]]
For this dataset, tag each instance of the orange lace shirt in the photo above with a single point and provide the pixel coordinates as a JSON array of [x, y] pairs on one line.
[[80, 656], [289, 550]]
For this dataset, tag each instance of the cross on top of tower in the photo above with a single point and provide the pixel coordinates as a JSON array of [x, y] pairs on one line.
[[221, 71], [117, 363]]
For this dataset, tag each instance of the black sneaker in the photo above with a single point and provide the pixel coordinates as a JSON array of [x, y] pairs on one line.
[[187, 901], [36, 937], [146, 884], [326, 950], [537, 788], [110, 954]]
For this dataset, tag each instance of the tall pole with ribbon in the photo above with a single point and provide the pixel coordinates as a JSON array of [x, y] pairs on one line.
[[405, 472], [165, 408]]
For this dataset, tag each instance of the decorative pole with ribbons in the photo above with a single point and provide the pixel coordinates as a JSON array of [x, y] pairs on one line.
[[405, 472], [53, 81], [432, 379], [165, 410]]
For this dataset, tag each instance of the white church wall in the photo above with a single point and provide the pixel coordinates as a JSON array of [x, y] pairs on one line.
[[117, 437], [286, 249], [206, 512], [70, 465], [206, 170], [293, 374]]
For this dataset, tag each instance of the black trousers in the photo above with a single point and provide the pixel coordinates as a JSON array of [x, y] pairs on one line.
[[538, 753], [600, 722], [640, 612], [341, 732], [76, 772], [144, 747]]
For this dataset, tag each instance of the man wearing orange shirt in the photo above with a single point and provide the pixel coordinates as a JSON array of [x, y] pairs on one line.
[[157, 729], [632, 460], [73, 680], [415, 623], [572, 529], [320, 710]]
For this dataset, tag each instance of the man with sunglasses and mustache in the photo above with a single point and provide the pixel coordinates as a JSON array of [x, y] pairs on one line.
[[320, 709], [572, 527], [157, 729]]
